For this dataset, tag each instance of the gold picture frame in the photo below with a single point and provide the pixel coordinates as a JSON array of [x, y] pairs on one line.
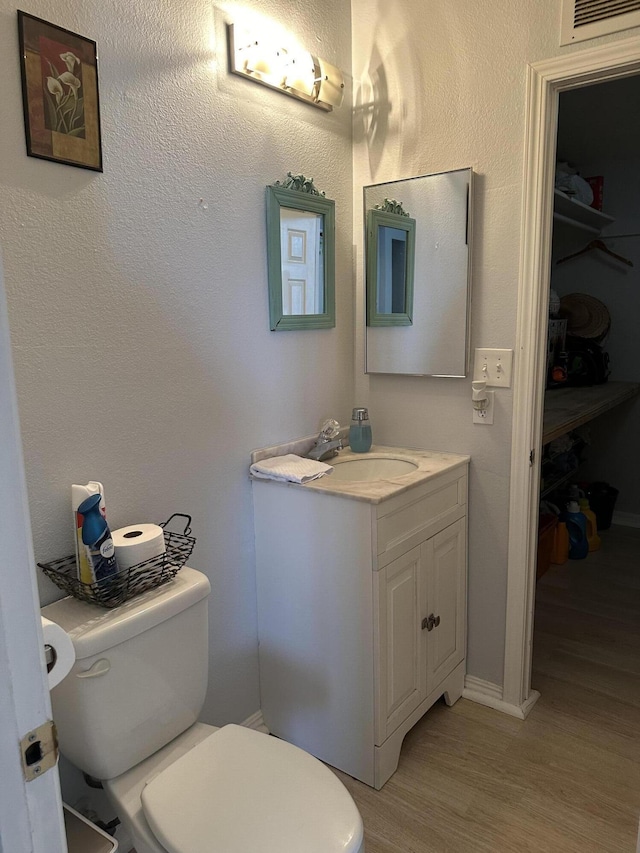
[[60, 94]]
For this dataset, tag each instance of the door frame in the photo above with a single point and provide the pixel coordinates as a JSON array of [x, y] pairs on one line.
[[545, 80], [30, 812]]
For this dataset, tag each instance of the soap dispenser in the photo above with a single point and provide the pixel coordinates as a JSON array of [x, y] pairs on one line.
[[360, 431]]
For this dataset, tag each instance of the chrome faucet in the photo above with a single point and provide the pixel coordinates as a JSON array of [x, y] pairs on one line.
[[328, 442]]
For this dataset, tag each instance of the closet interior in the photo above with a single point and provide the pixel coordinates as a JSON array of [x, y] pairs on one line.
[[586, 642], [592, 408]]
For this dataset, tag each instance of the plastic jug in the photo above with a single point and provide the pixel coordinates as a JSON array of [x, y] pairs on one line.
[[592, 525], [560, 550], [577, 529]]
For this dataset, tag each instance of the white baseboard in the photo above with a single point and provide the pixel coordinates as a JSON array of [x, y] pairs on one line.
[[626, 519], [490, 694], [255, 721], [482, 687]]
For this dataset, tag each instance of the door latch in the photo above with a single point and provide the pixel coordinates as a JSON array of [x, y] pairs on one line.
[[39, 750]]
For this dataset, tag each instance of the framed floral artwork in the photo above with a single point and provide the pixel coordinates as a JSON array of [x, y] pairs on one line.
[[60, 94]]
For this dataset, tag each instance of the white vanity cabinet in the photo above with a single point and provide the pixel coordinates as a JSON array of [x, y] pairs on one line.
[[361, 610], [420, 607]]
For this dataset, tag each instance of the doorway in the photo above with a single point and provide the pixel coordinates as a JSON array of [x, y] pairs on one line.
[[595, 264], [585, 642], [546, 80]]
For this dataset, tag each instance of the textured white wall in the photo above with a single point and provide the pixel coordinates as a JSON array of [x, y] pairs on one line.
[[139, 318], [441, 86]]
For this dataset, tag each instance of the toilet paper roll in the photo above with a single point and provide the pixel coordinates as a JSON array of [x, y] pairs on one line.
[[59, 651], [136, 543]]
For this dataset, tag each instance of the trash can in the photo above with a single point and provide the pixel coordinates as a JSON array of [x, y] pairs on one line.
[[84, 836], [602, 500]]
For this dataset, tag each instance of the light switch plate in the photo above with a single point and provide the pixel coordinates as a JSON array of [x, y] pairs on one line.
[[494, 366]]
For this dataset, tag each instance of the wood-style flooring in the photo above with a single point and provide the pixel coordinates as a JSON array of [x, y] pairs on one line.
[[566, 779]]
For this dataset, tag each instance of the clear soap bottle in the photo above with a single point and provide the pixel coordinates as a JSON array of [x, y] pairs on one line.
[[360, 431]]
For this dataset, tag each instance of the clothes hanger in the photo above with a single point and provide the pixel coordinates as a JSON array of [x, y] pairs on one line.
[[601, 247]]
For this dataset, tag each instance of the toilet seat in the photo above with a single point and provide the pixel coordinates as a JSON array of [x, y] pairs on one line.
[[240, 790]]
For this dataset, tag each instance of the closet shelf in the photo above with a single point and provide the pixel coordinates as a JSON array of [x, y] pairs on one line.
[[579, 215], [551, 486], [568, 408]]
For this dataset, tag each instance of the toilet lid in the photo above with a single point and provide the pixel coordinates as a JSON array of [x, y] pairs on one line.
[[240, 790]]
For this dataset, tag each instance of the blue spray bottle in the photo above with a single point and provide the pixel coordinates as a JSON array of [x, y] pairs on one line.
[[96, 537]]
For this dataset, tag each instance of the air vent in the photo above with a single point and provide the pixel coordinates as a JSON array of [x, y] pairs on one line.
[[586, 19]]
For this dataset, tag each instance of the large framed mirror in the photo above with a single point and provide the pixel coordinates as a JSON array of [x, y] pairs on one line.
[[391, 236], [436, 341], [301, 255]]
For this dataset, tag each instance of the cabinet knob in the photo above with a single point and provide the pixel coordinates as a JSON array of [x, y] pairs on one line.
[[430, 622]]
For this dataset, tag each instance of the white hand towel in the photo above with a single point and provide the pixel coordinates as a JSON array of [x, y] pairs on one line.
[[290, 468]]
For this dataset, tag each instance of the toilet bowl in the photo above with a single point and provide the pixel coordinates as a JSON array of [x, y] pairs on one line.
[[232, 790], [127, 715]]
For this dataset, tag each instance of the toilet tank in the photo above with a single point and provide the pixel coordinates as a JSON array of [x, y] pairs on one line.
[[140, 674]]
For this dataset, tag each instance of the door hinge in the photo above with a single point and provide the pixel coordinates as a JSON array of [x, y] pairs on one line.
[[532, 457], [39, 750]]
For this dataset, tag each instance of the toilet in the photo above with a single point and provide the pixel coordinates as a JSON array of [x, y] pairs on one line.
[[127, 715]]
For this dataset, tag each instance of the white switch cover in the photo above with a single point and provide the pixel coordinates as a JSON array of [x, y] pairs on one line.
[[494, 366]]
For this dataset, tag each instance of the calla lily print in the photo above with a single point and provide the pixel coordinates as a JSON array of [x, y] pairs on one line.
[[63, 96], [60, 94]]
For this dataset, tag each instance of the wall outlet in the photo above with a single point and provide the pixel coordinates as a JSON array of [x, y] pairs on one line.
[[486, 415], [494, 366]]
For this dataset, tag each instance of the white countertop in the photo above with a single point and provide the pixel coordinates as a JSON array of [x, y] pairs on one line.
[[430, 463]]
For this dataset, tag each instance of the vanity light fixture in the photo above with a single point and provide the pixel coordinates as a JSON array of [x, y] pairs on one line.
[[289, 70]]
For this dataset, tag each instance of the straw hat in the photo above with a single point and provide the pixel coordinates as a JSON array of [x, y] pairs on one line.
[[586, 316]]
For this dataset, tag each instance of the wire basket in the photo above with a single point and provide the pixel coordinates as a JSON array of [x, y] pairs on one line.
[[130, 582]]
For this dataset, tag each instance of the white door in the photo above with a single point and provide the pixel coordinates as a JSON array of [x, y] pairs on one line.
[[30, 812], [446, 596], [302, 271], [392, 270], [401, 678]]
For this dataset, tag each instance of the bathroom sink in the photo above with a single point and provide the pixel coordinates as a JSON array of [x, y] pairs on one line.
[[370, 468]]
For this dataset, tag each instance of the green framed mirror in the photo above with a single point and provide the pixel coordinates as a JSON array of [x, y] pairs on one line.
[[391, 242], [301, 256]]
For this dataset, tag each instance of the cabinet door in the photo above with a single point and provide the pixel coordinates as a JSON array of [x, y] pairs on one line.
[[446, 596], [400, 671]]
